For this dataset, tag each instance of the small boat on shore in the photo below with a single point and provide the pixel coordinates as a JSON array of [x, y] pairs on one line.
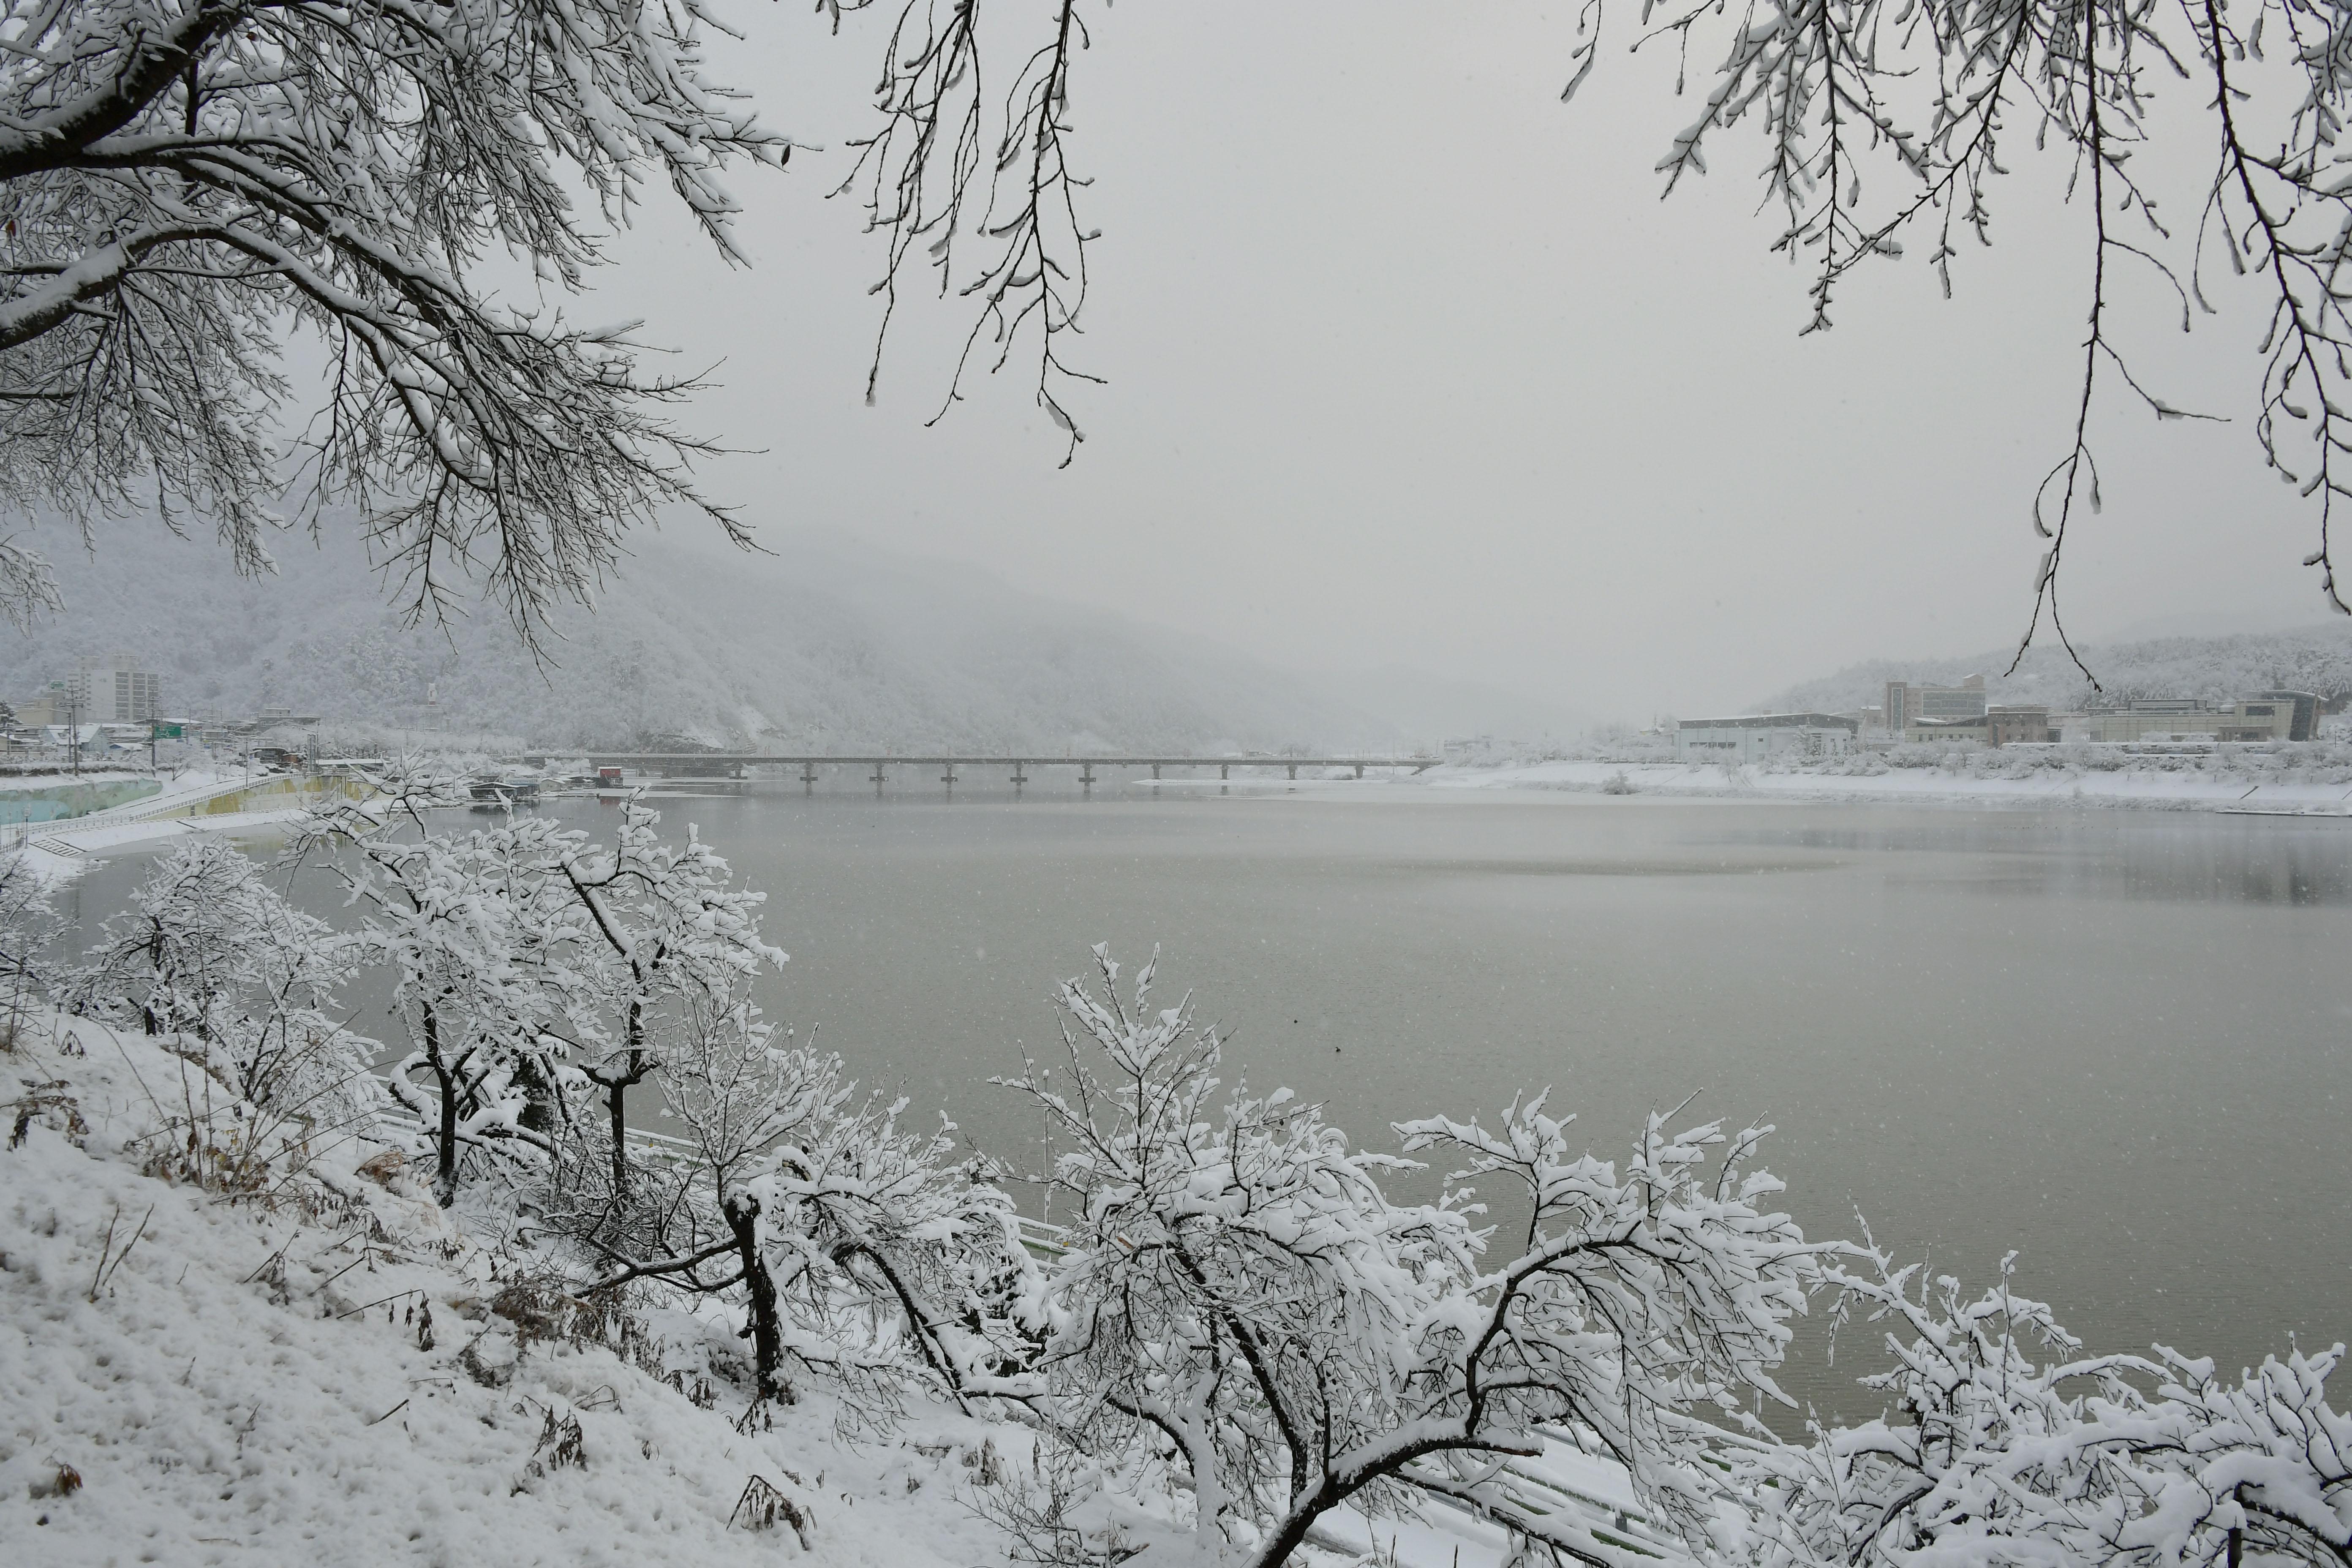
[[504, 795]]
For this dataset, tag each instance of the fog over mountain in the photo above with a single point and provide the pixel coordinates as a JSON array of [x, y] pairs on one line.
[[823, 644], [2310, 659]]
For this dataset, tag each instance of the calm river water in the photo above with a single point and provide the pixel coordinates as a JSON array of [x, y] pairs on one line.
[[2114, 1042]]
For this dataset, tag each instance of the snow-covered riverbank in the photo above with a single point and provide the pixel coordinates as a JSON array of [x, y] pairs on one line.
[[197, 800], [2235, 783]]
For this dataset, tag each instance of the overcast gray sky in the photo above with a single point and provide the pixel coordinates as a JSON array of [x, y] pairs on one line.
[[1408, 363]]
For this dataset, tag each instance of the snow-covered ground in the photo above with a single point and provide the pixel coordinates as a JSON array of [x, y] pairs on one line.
[[302, 1360], [240, 1373]]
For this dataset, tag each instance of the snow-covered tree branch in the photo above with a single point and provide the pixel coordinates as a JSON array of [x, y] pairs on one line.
[[27, 925], [867, 1256], [952, 169], [181, 180], [1940, 96]]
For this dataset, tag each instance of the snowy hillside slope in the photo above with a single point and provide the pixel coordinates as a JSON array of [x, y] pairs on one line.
[[240, 1368], [2313, 658], [823, 645]]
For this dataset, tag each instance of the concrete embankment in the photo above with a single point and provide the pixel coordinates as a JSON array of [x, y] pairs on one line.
[[191, 804], [63, 799]]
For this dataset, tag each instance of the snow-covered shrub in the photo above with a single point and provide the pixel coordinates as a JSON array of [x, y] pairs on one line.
[[1612, 743], [1240, 1296], [28, 926], [2007, 1444], [868, 1257], [212, 955]]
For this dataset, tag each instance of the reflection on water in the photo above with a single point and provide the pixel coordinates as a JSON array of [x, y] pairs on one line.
[[2191, 856], [2111, 1040], [1695, 866]]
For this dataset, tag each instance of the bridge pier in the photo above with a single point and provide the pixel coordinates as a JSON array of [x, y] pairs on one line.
[[877, 778], [1019, 777], [1359, 769], [1155, 770], [1294, 773], [1086, 776], [948, 778], [808, 778]]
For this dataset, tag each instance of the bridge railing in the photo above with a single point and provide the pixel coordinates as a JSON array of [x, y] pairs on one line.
[[1019, 764]]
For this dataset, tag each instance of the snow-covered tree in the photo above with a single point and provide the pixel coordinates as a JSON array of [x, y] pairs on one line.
[[474, 931], [868, 1254], [209, 952], [182, 180], [1241, 1294], [668, 933]]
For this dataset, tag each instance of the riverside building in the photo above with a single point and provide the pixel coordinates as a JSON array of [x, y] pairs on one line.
[[1753, 736]]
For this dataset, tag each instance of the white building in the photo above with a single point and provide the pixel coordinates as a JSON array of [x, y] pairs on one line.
[[1752, 736], [116, 694]]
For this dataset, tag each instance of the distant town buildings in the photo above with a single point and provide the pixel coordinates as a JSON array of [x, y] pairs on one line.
[[1959, 715], [1756, 736]]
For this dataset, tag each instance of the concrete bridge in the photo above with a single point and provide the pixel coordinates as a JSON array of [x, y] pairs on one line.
[[688, 763]]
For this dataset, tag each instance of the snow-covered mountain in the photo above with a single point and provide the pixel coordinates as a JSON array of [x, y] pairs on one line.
[[2311, 659], [823, 643]]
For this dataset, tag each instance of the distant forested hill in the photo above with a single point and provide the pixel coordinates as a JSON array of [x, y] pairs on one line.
[[2313, 658], [826, 644]]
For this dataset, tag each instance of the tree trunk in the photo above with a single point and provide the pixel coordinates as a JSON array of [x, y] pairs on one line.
[[445, 1174], [613, 1098], [637, 1068], [616, 1083], [538, 1086], [742, 1212]]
